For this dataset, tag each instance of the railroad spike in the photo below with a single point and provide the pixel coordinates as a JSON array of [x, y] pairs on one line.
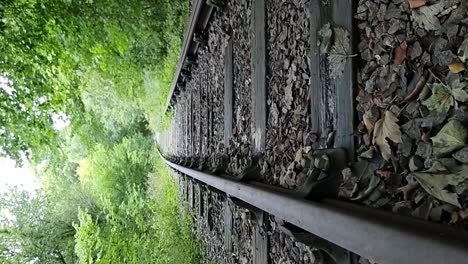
[[190, 63], [200, 37], [219, 4], [327, 251], [186, 74], [191, 59], [181, 87]]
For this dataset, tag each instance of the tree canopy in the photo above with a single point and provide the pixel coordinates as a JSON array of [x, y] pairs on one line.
[[104, 68], [62, 57]]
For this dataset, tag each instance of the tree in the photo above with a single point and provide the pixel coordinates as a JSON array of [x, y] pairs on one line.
[[88, 61], [50, 48], [37, 73], [108, 171], [121, 233], [138, 230], [36, 231]]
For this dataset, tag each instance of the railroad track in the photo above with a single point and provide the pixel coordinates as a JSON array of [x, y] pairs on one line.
[[234, 110]]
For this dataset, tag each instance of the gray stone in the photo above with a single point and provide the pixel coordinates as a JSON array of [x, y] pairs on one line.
[[462, 155], [424, 150]]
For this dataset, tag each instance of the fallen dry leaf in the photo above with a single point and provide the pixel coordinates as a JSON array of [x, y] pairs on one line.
[[385, 128], [454, 217], [443, 96], [441, 99], [458, 90], [407, 189], [463, 51], [463, 214], [450, 138], [437, 167], [359, 181], [369, 122], [339, 53], [416, 3], [460, 95], [400, 54], [436, 183], [370, 182], [349, 185], [288, 98], [456, 67]]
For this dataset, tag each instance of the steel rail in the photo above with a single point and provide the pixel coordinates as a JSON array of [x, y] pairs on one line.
[[380, 236], [198, 20]]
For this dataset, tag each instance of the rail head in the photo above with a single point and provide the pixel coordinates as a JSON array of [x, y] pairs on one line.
[[380, 236], [198, 20]]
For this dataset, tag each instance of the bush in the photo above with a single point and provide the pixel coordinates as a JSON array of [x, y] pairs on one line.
[[174, 224], [108, 171], [139, 230], [121, 233]]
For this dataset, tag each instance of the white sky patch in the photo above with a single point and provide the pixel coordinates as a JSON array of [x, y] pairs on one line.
[[5, 85], [10, 176], [61, 121], [22, 178]]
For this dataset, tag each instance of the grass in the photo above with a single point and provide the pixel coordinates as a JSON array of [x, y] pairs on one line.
[[147, 227], [173, 221]]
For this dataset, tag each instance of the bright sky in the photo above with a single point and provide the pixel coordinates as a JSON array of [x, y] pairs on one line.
[[23, 178]]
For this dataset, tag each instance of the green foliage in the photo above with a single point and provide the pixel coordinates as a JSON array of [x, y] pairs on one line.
[[109, 170], [174, 224], [138, 230], [158, 79], [38, 72], [129, 227], [120, 234], [157, 86], [107, 66], [56, 53], [116, 116], [87, 238], [40, 229]]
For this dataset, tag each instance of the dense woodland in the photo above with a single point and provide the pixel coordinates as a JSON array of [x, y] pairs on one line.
[[103, 67]]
